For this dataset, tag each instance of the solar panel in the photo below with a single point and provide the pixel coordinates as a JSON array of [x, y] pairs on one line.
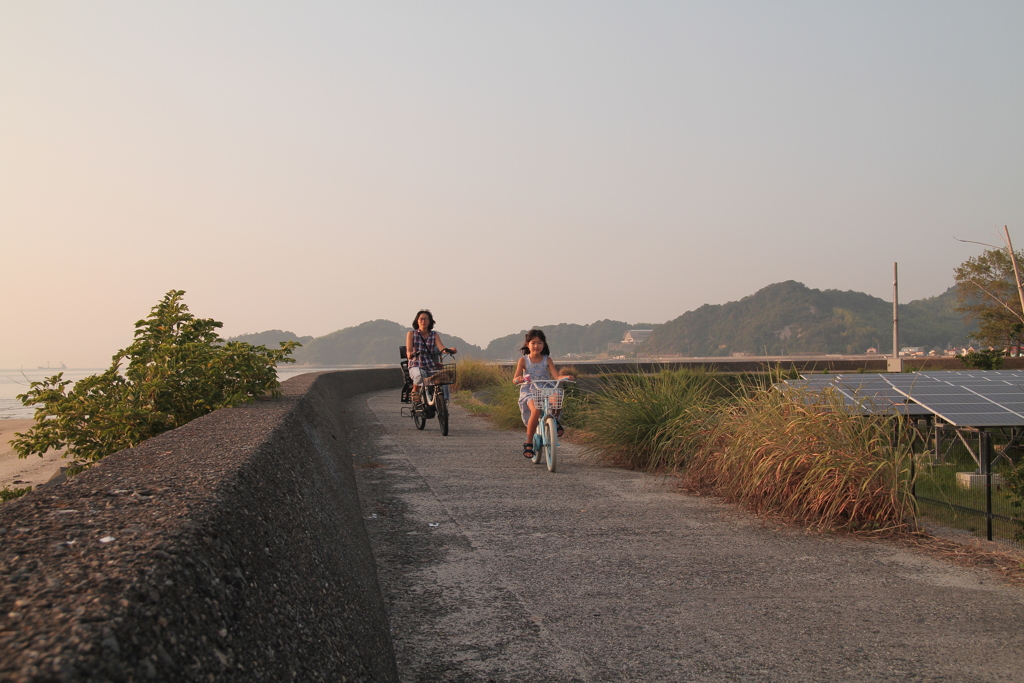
[[868, 393], [964, 398], [962, 406]]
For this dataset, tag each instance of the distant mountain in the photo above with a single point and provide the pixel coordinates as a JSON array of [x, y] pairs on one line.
[[783, 318], [565, 338], [371, 343], [788, 317], [271, 338]]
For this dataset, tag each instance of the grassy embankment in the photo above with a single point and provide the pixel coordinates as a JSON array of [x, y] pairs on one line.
[[735, 437]]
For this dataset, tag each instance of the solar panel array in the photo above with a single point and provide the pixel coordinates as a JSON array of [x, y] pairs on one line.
[[967, 398]]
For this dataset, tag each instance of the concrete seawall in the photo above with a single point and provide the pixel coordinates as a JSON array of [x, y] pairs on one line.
[[232, 548]]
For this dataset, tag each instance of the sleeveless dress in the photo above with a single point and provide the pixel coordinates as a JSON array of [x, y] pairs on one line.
[[526, 391], [426, 348]]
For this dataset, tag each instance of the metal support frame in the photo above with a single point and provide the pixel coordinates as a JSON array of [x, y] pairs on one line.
[[985, 446]]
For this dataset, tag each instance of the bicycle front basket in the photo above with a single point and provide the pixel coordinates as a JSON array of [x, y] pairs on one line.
[[446, 375], [553, 397]]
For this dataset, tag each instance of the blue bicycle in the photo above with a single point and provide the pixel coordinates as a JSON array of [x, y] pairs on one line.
[[549, 396]]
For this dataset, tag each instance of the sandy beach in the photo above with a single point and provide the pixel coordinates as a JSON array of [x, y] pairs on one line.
[[32, 471]]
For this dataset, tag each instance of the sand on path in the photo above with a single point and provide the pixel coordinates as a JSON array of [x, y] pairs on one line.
[[32, 471]]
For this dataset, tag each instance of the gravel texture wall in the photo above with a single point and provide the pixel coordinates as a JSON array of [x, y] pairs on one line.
[[232, 548]]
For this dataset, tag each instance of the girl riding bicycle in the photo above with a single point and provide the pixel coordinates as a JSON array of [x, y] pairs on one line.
[[535, 364], [422, 347]]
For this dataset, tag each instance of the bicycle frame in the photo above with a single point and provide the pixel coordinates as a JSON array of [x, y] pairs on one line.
[[545, 439], [432, 403]]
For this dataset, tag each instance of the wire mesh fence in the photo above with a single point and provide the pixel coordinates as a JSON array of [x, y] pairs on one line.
[[960, 481]]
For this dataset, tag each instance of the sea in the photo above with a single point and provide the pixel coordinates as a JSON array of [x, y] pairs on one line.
[[18, 381]]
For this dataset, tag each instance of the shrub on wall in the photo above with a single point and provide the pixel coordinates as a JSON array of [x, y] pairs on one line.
[[176, 370]]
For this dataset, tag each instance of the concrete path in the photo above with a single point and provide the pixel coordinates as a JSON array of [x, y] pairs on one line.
[[494, 569]]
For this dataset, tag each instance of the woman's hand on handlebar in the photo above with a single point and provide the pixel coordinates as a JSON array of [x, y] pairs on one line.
[[451, 351]]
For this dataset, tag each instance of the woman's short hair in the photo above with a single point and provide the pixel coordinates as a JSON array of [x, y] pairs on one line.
[[416, 320], [535, 334]]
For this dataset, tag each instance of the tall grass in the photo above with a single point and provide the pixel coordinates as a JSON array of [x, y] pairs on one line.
[[474, 374], [653, 422], [821, 465]]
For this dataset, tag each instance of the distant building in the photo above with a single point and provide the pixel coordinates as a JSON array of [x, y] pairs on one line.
[[912, 351], [636, 336], [630, 340]]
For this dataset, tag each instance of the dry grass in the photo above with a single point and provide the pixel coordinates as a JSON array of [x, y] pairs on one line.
[[821, 466], [976, 554]]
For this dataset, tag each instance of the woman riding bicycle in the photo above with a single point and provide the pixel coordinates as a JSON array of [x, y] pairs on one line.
[[422, 348]]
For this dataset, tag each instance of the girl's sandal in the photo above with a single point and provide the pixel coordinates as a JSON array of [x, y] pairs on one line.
[[560, 431], [527, 450]]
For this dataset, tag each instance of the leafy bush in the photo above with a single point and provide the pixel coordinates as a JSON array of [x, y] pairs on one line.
[[986, 359], [7, 493], [177, 369]]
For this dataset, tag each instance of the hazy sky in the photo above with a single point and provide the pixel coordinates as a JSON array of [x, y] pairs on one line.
[[312, 165]]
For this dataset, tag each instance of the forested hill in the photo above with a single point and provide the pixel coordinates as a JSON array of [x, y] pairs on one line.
[[565, 338], [271, 338], [371, 343], [789, 317]]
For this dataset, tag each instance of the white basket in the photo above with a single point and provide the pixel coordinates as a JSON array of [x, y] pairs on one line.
[[549, 392]]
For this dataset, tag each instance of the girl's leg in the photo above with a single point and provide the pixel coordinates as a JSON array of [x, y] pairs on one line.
[[531, 424]]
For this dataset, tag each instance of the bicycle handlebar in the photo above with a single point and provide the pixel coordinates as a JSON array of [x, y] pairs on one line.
[[546, 382], [450, 352]]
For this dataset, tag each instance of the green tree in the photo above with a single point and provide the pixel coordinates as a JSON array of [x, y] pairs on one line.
[[988, 293], [986, 359], [177, 369]]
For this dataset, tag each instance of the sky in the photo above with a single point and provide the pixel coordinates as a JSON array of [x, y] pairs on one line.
[[309, 166]]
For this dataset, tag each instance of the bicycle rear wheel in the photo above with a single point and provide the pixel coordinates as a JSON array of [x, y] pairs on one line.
[[551, 439], [418, 416], [538, 448], [441, 405]]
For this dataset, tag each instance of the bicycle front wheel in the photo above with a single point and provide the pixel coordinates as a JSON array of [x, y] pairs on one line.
[[551, 440], [441, 405]]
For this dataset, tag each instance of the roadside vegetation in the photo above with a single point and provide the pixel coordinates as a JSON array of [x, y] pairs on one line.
[[176, 370], [732, 436], [820, 465]]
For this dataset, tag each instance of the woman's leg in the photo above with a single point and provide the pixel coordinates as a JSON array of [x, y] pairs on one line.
[[416, 375]]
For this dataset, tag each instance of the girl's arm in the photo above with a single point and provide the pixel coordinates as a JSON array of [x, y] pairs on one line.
[[518, 376], [554, 371]]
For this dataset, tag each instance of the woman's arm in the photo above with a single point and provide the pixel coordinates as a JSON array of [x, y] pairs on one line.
[[408, 344], [440, 344]]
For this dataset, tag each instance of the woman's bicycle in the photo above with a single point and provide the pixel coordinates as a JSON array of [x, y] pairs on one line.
[[432, 400], [548, 396]]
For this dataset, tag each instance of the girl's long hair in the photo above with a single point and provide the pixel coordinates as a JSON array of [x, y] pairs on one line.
[[535, 334]]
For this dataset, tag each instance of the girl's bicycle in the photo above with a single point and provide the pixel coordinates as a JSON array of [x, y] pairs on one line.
[[550, 396], [433, 397]]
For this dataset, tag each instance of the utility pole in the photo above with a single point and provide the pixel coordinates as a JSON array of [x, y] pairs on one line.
[[895, 364]]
